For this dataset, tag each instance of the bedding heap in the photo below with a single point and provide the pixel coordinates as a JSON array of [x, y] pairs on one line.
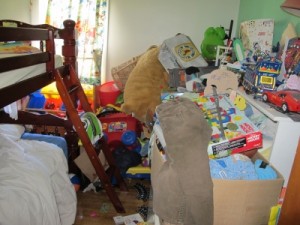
[[34, 185]]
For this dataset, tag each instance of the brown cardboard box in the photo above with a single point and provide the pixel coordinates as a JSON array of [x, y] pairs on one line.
[[84, 164], [237, 202]]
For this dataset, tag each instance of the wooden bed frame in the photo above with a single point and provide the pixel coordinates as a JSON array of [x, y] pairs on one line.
[[66, 78], [46, 35]]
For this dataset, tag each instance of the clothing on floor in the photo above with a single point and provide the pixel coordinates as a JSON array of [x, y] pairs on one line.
[[183, 188]]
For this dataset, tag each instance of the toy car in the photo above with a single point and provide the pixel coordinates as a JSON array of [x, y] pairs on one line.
[[288, 100]]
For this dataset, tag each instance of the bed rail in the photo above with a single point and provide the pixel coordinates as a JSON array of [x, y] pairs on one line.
[[12, 30]]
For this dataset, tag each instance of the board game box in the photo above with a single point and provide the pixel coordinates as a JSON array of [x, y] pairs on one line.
[[236, 134]]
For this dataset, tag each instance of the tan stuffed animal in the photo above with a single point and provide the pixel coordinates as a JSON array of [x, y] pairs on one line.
[[225, 81], [144, 85]]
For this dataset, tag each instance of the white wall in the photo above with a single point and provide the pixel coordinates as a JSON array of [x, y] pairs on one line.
[[15, 10], [134, 25]]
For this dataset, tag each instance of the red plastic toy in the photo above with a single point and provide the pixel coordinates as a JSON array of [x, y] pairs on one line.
[[287, 100]]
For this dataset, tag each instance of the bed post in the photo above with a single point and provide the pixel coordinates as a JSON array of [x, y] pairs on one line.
[[69, 54], [69, 47]]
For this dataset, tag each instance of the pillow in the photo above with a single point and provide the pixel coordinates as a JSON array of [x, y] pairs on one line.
[[13, 131]]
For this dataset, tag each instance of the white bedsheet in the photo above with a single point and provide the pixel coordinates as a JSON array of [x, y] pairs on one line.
[[14, 76], [34, 185]]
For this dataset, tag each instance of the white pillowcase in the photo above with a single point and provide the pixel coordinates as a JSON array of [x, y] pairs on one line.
[[13, 131]]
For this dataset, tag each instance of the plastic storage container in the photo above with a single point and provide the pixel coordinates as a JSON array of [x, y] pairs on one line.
[[108, 93], [36, 101]]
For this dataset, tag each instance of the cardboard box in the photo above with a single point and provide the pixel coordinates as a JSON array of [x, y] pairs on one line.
[[84, 164], [257, 35], [180, 52], [237, 202]]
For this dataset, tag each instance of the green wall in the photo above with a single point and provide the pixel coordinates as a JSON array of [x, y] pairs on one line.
[[268, 9]]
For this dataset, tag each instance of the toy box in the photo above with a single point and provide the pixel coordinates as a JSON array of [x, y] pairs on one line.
[[236, 202], [239, 133]]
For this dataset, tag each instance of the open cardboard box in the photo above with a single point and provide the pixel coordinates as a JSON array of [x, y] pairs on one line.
[[237, 202]]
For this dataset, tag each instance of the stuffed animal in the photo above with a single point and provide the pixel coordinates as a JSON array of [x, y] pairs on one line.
[[212, 38], [225, 81], [144, 85]]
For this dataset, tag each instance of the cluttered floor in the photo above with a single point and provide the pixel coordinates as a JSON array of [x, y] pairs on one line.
[[96, 208]]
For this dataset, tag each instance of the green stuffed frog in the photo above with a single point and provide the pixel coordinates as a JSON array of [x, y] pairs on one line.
[[212, 38]]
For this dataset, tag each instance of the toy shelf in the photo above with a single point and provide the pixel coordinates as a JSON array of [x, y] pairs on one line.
[[266, 109]]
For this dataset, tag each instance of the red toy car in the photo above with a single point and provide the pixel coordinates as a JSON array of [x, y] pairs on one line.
[[287, 100]]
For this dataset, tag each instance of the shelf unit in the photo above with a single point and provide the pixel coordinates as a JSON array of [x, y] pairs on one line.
[[284, 139]]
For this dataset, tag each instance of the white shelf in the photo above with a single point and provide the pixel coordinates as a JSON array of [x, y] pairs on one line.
[[266, 109], [285, 134]]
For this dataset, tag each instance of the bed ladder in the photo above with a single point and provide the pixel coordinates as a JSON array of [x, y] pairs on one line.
[[69, 88]]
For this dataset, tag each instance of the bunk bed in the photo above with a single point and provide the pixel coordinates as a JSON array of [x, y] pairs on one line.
[[25, 73], [35, 186]]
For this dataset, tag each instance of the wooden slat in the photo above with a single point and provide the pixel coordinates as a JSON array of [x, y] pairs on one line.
[[22, 34], [17, 62], [28, 86], [32, 118]]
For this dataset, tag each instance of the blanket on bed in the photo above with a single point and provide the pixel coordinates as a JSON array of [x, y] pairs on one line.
[[17, 47], [34, 185]]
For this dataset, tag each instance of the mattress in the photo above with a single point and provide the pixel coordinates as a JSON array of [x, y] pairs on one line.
[[34, 185], [15, 76]]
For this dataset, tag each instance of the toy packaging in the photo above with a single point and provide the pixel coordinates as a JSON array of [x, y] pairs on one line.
[[180, 52], [257, 35], [240, 134], [262, 76]]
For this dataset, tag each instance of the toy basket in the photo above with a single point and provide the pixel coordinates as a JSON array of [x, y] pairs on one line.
[[121, 73]]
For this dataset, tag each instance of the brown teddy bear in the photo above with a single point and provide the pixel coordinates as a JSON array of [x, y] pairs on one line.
[[144, 85]]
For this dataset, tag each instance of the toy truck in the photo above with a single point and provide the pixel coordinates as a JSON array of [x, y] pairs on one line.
[[262, 76]]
